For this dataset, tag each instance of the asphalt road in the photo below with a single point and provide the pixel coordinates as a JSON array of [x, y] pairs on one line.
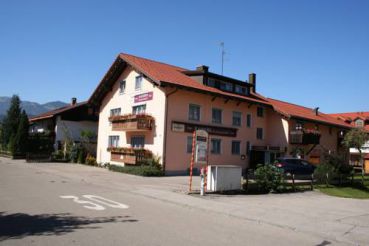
[[55, 204]]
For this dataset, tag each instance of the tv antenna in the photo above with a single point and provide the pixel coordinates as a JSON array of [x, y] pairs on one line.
[[223, 53]]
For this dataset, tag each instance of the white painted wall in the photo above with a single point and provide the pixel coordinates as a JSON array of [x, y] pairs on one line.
[[73, 129], [125, 101]]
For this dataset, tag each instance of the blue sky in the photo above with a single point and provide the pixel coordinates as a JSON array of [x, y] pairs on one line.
[[312, 52]]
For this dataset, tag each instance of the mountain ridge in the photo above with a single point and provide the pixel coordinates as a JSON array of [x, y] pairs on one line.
[[31, 108]]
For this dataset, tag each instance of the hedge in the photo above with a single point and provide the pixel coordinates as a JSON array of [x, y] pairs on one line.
[[147, 171]]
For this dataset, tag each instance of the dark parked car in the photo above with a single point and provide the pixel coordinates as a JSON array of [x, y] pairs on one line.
[[295, 166]]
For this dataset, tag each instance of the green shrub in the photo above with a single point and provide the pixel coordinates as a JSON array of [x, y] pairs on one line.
[[81, 156], [90, 160], [269, 178], [333, 167], [320, 173], [148, 171]]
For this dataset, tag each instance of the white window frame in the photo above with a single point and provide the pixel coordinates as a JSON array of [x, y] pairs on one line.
[[189, 111], [212, 116], [113, 141], [138, 136], [139, 78], [240, 117], [122, 91], [239, 147], [220, 146], [139, 106]]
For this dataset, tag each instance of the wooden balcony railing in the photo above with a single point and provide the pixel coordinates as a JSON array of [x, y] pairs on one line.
[[132, 122], [130, 156], [305, 136]]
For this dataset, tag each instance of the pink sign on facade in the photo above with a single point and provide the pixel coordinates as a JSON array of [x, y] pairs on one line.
[[143, 97]]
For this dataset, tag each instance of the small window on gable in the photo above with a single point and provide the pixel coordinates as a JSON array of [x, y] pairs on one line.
[[138, 82], [359, 123], [122, 86]]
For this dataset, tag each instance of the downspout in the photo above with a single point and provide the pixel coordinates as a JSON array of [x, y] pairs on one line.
[[165, 126]]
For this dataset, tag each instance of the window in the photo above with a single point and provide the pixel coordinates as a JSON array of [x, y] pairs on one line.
[[137, 141], [260, 112], [115, 111], [194, 112], [241, 90], [122, 87], [211, 82], [236, 147], [359, 123], [248, 120], [215, 146], [299, 126], [236, 118], [217, 116], [189, 144], [259, 133], [113, 141], [138, 83], [140, 109], [225, 86], [330, 130]]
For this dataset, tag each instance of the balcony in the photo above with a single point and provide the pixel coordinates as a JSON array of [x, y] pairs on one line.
[[129, 156], [305, 136], [132, 122]]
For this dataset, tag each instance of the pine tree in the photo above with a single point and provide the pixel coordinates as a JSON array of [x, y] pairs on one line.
[[11, 121], [21, 139]]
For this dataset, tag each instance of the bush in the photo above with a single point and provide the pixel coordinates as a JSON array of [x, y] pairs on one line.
[[333, 165], [81, 156], [320, 173], [90, 160], [147, 171], [269, 178]]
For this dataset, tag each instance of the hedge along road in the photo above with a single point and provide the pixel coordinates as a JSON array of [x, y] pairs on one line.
[[38, 207]]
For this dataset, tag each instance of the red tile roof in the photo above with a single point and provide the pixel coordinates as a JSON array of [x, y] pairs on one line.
[[162, 73], [351, 117], [52, 113], [297, 111]]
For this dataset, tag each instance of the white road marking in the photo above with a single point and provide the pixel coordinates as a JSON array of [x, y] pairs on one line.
[[97, 199], [106, 202], [93, 206]]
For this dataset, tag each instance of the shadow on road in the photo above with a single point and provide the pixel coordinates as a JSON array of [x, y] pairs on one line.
[[20, 225]]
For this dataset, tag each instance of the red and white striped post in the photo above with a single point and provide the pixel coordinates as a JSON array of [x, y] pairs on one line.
[[192, 158]]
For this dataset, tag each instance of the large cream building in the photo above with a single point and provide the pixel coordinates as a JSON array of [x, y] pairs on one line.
[[147, 108]]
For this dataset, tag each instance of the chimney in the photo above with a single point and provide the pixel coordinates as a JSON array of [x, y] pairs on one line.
[[202, 68], [74, 101], [252, 81], [316, 110]]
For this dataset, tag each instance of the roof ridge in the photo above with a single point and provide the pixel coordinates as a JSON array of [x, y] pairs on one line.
[[151, 60], [292, 104]]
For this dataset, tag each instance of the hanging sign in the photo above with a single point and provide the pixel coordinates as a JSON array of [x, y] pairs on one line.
[[143, 97], [201, 149]]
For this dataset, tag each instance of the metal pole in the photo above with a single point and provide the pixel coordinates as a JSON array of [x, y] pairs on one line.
[[192, 158]]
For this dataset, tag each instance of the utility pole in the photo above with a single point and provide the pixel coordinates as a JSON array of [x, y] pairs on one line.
[[223, 53]]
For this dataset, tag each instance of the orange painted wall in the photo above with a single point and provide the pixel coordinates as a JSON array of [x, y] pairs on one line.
[[178, 105]]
